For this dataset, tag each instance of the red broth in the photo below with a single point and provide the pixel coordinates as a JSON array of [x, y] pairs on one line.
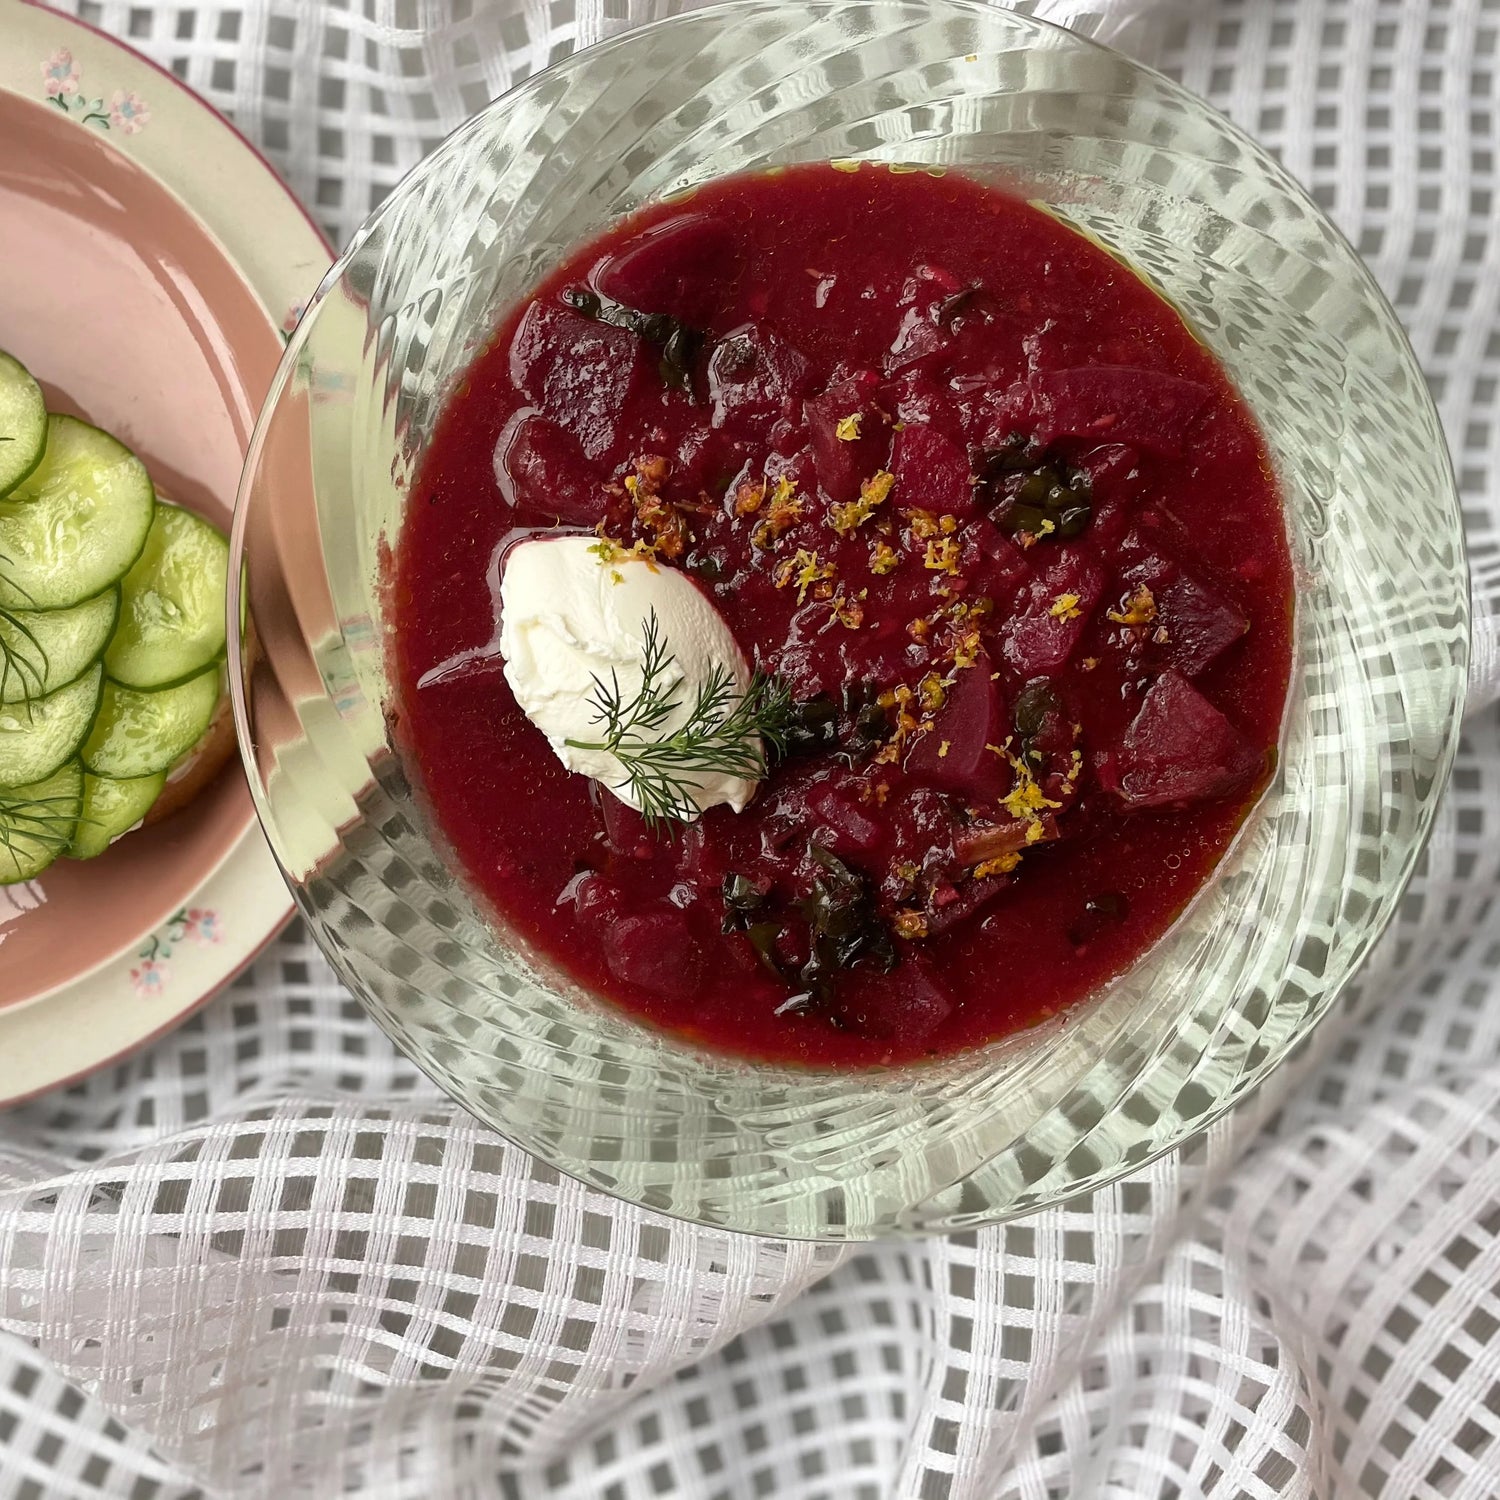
[[978, 496]]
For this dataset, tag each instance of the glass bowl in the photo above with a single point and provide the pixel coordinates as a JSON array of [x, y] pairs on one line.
[[1381, 629]]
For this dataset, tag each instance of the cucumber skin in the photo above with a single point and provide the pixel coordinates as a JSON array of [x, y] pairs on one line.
[[133, 799], [104, 753], [136, 663], [34, 618], [40, 451], [16, 596], [7, 787]]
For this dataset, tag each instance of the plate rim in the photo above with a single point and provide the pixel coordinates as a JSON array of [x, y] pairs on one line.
[[282, 260]]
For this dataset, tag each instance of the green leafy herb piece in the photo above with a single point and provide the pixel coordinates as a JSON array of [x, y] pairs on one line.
[[48, 821], [22, 658], [725, 732]]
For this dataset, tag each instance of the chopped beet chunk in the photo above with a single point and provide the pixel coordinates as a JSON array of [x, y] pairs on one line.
[[954, 753], [932, 471], [1180, 748], [1191, 624], [579, 372], [1145, 408], [754, 377], [915, 398], [540, 470], [853, 831], [1055, 609], [848, 434], [676, 267], [626, 830], [906, 1005], [656, 951]]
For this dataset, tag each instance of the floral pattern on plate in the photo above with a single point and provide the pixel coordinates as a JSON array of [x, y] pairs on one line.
[[192, 924], [62, 82]]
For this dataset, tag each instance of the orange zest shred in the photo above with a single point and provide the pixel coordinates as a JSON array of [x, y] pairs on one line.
[[1140, 609], [853, 514], [803, 569]]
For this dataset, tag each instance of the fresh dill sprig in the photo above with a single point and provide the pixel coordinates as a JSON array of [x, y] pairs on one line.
[[724, 734], [23, 659], [48, 821]]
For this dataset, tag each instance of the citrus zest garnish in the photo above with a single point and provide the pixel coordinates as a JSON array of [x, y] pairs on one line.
[[853, 514], [1140, 609], [909, 924], [941, 555], [804, 570]]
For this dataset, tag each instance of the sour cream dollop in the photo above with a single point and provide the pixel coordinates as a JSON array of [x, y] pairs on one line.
[[569, 615]]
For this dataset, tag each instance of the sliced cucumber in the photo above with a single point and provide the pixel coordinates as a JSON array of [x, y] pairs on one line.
[[39, 736], [42, 650], [23, 423], [110, 808], [140, 733], [172, 603], [77, 523], [37, 822]]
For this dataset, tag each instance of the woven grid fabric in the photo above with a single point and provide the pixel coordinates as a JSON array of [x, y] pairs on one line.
[[265, 1258]]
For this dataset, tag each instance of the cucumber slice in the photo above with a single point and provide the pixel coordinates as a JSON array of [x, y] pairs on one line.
[[172, 603], [110, 808], [23, 423], [39, 736], [37, 822], [138, 734], [76, 524], [42, 650]]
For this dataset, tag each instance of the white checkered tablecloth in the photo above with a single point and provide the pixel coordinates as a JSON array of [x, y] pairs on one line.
[[266, 1258]]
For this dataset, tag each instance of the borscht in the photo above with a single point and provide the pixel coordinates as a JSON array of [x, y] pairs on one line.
[[842, 616]]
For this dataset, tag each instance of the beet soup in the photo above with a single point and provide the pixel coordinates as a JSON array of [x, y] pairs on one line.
[[993, 528]]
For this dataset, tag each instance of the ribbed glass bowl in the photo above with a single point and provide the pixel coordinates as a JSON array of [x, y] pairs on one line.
[[1381, 635]]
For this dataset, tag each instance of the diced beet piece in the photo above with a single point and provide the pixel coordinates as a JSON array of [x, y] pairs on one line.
[[597, 900], [981, 841], [1200, 623], [1147, 409], [624, 828], [1008, 565], [918, 339], [580, 373], [656, 951], [1180, 748], [937, 312], [932, 472], [907, 1005], [840, 814], [952, 753], [679, 267], [913, 397], [1037, 640], [800, 467], [992, 415], [845, 463], [701, 859], [1113, 471], [540, 469], [951, 904], [755, 376]]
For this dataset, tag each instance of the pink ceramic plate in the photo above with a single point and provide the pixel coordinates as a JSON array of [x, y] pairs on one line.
[[150, 266]]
